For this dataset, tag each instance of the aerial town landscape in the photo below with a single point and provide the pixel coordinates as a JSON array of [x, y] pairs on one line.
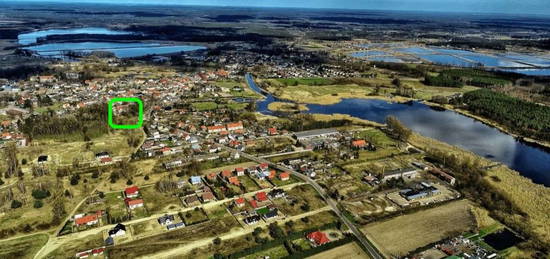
[[158, 130]]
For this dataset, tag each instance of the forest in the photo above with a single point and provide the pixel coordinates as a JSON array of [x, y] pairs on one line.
[[460, 77], [523, 117], [88, 122]]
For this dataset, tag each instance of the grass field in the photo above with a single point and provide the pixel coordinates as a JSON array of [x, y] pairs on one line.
[[402, 234], [172, 239], [301, 195], [63, 153], [533, 199], [286, 107], [158, 202], [194, 216], [70, 248], [328, 91], [347, 251], [24, 247], [205, 106]]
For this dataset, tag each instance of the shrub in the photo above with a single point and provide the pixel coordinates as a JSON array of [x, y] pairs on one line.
[[38, 204], [40, 194], [16, 204]]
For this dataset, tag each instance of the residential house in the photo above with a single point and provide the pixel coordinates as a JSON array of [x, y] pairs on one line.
[[175, 226], [239, 171], [195, 180], [284, 176], [273, 213], [240, 202], [192, 200], [215, 129], [272, 131], [235, 126], [118, 230], [133, 204], [277, 193], [252, 220], [166, 220], [131, 192], [359, 144], [261, 196], [87, 220], [318, 238], [234, 180], [207, 196]]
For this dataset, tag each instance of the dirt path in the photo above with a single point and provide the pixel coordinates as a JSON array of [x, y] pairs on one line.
[[182, 250]]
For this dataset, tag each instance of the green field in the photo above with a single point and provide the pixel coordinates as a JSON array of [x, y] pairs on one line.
[[205, 106]]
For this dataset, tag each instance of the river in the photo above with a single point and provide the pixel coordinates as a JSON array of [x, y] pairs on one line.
[[444, 125]]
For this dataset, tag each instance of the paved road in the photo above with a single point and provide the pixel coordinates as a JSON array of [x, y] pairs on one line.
[[374, 253]]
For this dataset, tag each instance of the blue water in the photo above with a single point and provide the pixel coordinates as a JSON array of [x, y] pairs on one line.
[[386, 59], [121, 50], [531, 72], [536, 61], [30, 38], [415, 50], [446, 60], [447, 126], [491, 61], [464, 58], [368, 53]]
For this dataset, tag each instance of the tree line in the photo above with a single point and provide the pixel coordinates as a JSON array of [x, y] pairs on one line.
[[525, 118]]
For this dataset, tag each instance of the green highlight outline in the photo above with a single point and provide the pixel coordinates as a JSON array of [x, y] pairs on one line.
[[125, 99]]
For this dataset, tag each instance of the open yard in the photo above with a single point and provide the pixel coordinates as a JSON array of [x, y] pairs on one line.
[[158, 202], [347, 251], [402, 234], [300, 199]]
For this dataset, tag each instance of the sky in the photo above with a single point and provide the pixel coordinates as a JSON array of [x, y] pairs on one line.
[[477, 6]]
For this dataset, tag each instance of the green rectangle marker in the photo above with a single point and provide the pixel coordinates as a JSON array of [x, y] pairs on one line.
[[128, 100]]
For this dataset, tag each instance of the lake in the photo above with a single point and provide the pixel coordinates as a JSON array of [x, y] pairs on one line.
[[513, 62], [443, 125], [31, 37], [119, 49]]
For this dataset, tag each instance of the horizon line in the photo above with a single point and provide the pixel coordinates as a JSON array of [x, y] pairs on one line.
[[268, 7]]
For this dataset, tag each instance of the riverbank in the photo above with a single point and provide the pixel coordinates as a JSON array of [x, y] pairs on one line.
[[286, 107], [489, 122]]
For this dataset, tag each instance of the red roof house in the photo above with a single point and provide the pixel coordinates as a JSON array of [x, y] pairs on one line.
[[88, 220], [131, 192], [240, 202], [234, 180], [226, 174], [358, 143], [132, 204], [261, 196], [284, 176], [318, 238]]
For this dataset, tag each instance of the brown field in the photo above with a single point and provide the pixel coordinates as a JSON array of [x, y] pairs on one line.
[[24, 247], [400, 235], [347, 251]]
